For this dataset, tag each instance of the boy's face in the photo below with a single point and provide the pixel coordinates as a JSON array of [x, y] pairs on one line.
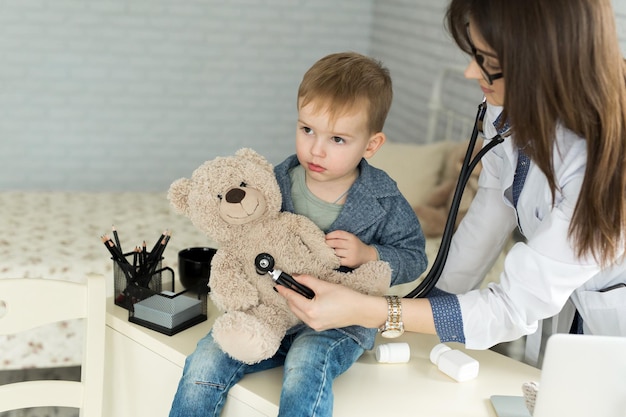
[[330, 149]]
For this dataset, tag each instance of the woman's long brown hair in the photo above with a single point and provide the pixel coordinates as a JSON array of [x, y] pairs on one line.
[[562, 64]]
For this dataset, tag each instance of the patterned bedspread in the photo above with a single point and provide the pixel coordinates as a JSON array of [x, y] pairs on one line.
[[57, 235]]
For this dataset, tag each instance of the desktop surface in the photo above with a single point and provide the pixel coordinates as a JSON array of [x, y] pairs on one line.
[[368, 388]]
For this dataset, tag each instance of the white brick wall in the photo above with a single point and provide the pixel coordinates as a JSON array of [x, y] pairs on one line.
[[130, 95], [409, 36]]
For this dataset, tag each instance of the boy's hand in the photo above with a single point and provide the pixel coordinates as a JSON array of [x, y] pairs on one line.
[[350, 249]]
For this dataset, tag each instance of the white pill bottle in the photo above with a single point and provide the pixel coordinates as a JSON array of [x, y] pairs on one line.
[[454, 363]]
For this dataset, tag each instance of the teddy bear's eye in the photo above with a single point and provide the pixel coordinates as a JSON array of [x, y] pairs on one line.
[[243, 184], [219, 196]]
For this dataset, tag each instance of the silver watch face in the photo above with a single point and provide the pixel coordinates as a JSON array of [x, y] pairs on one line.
[[391, 333]]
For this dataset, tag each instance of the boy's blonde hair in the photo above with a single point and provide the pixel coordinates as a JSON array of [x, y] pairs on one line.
[[339, 82]]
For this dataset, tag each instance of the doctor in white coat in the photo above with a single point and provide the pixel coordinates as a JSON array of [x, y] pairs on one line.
[[542, 276], [553, 76]]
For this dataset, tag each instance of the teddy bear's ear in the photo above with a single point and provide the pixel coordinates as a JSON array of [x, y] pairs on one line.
[[256, 158], [178, 193]]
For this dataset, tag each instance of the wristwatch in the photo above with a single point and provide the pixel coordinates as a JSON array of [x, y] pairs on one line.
[[393, 327]]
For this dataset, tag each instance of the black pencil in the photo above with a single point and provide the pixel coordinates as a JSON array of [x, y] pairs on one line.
[[121, 261], [117, 238], [117, 256], [135, 258], [144, 263], [158, 242]]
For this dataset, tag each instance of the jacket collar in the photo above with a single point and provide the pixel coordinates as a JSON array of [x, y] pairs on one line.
[[361, 208]]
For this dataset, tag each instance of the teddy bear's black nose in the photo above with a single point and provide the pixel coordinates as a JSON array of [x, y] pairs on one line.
[[235, 195]]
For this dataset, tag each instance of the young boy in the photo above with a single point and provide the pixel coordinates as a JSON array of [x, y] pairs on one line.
[[343, 102]]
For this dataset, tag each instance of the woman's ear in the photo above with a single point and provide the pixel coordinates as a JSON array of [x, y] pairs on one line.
[[373, 145]]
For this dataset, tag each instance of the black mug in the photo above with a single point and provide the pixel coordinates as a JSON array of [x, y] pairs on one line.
[[194, 268]]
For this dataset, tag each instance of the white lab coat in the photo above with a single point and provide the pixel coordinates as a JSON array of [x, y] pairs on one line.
[[539, 276]]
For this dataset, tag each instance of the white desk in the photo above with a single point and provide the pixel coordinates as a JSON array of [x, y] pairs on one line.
[[143, 369]]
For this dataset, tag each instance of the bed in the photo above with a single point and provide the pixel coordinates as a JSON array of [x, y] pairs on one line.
[[57, 235]]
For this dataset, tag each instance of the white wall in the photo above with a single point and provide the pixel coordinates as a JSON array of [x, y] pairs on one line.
[[130, 95], [409, 36]]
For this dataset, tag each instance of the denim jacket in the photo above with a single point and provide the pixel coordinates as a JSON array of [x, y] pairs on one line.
[[377, 213]]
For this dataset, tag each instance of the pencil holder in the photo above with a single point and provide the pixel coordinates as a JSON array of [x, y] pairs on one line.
[[132, 284]]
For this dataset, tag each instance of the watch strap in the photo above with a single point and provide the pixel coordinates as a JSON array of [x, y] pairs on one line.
[[394, 326]]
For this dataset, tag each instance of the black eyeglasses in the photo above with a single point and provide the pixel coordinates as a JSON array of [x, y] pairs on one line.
[[480, 60]]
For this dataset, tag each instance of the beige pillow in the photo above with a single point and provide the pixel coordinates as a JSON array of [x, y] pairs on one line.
[[415, 167]]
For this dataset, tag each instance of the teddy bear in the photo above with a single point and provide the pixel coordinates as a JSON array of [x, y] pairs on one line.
[[433, 214], [236, 201]]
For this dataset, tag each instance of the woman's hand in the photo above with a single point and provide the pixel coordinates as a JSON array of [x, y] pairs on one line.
[[334, 306]]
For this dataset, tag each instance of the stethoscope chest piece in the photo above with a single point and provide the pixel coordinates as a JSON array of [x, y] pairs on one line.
[[264, 264]]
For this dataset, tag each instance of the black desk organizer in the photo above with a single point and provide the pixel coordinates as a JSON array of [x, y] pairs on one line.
[[132, 287]]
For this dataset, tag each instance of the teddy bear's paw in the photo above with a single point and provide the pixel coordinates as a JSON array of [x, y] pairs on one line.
[[381, 271], [245, 338], [223, 296], [329, 259], [372, 277]]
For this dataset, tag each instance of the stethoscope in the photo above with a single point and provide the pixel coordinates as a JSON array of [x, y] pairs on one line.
[[264, 262], [469, 163]]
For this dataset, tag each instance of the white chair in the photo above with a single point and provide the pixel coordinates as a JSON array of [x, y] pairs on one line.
[[27, 303]]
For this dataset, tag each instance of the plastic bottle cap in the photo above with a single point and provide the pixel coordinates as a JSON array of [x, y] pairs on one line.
[[454, 363], [437, 352]]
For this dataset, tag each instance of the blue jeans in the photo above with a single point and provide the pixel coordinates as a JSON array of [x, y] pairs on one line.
[[312, 361]]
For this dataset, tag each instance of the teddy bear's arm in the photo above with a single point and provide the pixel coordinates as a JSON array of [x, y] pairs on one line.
[[314, 239], [230, 290]]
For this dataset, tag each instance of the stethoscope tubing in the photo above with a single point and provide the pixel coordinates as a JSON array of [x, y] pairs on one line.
[[469, 163]]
